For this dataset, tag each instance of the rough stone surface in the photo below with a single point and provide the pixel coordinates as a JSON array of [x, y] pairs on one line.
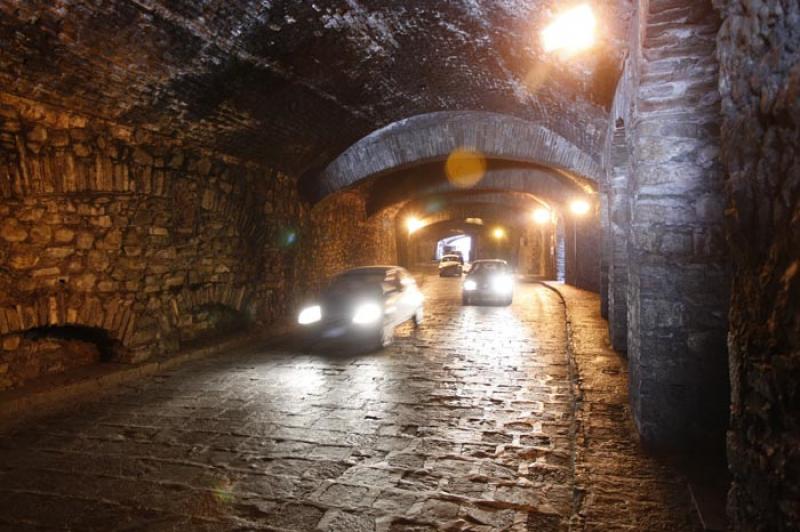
[[158, 244], [467, 423], [296, 83], [677, 278], [760, 79]]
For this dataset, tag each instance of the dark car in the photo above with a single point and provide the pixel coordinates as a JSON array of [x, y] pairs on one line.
[[363, 306], [451, 266], [488, 281]]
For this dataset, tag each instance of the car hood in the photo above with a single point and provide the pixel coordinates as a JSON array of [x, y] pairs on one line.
[[337, 303]]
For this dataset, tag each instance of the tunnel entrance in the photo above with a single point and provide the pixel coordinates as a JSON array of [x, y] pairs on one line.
[[458, 243]]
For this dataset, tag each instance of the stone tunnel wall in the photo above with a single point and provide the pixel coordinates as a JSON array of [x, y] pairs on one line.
[[108, 227], [339, 235], [583, 251], [154, 243], [760, 84], [676, 283]]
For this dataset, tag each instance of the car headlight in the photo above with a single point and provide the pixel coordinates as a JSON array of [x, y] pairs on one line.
[[502, 284], [367, 313], [310, 315], [470, 285]]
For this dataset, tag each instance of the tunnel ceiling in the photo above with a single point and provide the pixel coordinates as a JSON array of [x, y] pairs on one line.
[[293, 84], [385, 191]]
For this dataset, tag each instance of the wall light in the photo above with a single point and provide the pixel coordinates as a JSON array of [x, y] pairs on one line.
[[541, 216], [499, 233], [413, 224], [579, 207], [572, 31]]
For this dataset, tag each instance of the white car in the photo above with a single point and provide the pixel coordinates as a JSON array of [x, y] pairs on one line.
[[451, 265], [363, 306]]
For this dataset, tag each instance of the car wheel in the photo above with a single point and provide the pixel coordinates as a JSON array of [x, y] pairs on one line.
[[419, 317], [509, 300], [465, 300]]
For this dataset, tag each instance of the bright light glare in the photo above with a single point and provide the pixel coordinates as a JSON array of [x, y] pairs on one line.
[[579, 207], [541, 215], [572, 31], [469, 286], [367, 313], [499, 233], [413, 224], [502, 284], [310, 315]]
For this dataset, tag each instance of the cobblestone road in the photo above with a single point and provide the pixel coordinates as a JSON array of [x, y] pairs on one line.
[[467, 423]]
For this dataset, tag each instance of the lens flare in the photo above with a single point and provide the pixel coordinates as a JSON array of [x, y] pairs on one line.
[[464, 168]]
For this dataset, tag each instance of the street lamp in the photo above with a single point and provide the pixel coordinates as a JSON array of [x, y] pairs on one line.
[[413, 224], [541, 216], [571, 32]]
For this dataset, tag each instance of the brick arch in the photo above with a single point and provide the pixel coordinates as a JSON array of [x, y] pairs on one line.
[[433, 136], [115, 316], [508, 214], [458, 201], [540, 182], [236, 297]]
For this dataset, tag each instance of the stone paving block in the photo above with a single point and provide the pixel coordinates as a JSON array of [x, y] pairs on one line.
[[467, 423]]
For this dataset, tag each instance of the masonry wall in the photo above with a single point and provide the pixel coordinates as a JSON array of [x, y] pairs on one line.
[[149, 245], [339, 235], [583, 251], [760, 84], [676, 283]]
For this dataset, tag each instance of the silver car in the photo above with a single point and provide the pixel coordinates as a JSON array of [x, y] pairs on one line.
[[363, 306]]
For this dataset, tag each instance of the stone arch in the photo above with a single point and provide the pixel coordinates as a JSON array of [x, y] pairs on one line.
[[543, 183], [433, 136]]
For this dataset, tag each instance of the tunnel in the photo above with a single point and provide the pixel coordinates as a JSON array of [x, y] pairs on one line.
[[185, 186]]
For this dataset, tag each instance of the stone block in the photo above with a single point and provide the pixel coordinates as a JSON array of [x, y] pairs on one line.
[[12, 231]]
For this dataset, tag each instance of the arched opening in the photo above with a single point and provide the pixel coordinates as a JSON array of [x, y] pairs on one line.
[[459, 243], [51, 350]]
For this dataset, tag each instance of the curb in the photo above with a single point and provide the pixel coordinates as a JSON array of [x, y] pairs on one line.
[[578, 494], [68, 390]]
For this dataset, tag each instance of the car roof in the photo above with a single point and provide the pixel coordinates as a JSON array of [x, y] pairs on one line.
[[501, 261], [450, 255], [369, 270]]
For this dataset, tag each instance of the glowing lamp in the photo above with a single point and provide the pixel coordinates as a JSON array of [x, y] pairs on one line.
[[541, 216], [572, 31], [579, 207], [413, 224], [499, 233]]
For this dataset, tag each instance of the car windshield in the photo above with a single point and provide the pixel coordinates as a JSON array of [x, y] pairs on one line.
[[488, 267], [353, 281], [450, 258]]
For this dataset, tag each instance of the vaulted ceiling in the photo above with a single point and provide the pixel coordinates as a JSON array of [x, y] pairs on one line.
[[295, 83]]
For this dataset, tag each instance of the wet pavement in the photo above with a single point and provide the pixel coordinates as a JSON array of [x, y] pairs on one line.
[[470, 422]]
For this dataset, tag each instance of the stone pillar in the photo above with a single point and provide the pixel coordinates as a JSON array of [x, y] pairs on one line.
[[678, 281], [605, 255], [617, 239]]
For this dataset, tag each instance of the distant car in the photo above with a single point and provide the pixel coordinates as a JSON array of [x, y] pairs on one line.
[[363, 306], [488, 281], [451, 265]]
